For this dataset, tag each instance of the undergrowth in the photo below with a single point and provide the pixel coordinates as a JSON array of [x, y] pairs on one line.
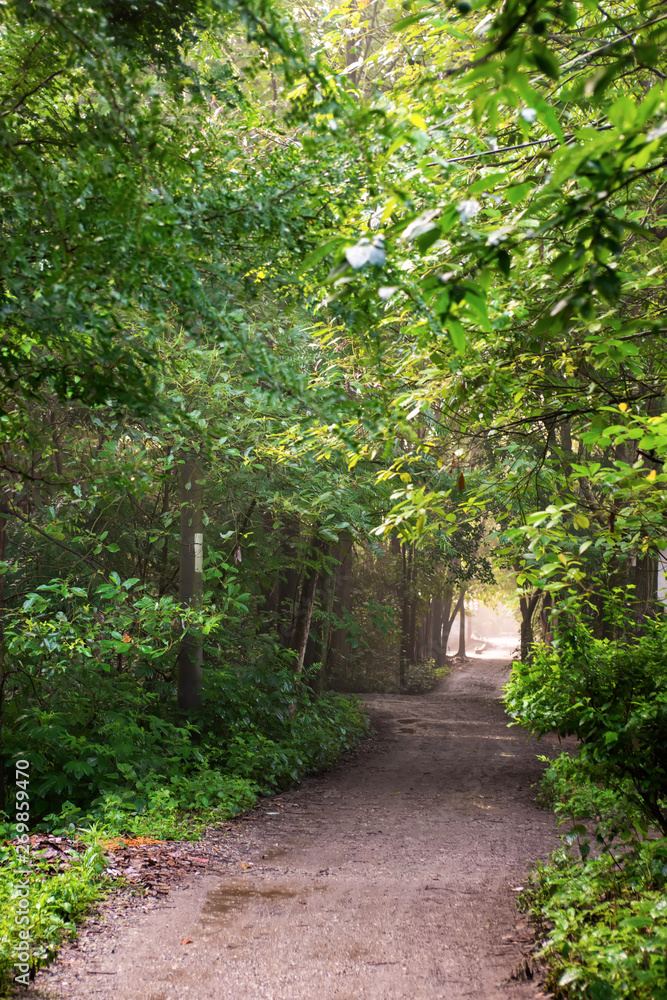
[[109, 760], [600, 903], [56, 902], [604, 922]]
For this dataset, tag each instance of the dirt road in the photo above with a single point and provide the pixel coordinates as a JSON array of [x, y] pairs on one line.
[[389, 878]]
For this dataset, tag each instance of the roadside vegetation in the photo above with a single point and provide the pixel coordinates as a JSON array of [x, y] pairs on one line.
[[318, 323], [600, 903]]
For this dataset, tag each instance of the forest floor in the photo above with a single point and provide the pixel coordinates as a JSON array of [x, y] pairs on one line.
[[392, 876]]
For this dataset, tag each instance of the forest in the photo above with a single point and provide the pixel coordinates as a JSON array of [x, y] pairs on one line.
[[318, 322]]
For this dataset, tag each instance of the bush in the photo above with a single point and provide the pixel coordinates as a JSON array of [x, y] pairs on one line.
[[105, 743], [421, 677], [90, 703], [605, 921], [57, 901], [574, 787], [603, 914], [611, 695]]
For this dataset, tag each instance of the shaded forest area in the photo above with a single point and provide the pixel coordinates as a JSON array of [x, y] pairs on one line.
[[316, 320]]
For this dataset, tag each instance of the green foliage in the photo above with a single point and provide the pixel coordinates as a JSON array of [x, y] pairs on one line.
[[97, 739], [124, 189], [609, 693], [128, 770], [602, 912], [177, 807], [58, 901], [471, 196], [605, 921], [421, 677], [576, 790]]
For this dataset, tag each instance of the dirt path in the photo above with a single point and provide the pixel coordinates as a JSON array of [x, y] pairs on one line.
[[389, 878]]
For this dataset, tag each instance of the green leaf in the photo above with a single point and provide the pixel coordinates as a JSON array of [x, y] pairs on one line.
[[517, 192], [457, 335], [316, 255], [489, 182], [545, 61], [504, 261], [623, 112], [427, 239]]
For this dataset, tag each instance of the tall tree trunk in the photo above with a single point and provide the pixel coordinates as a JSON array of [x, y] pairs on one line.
[[462, 628], [339, 648], [406, 617], [434, 650], [322, 639], [303, 617], [412, 635], [190, 581], [646, 588], [448, 620], [425, 632]]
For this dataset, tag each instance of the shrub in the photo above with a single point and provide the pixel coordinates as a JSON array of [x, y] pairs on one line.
[[574, 787], [611, 695], [420, 677], [605, 921], [57, 901], [107, 749]]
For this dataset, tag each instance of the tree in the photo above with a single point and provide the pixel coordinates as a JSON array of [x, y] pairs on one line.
[[515, 308], [191, 566]]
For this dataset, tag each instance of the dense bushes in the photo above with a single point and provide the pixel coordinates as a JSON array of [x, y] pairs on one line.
[[611, 695], [601, 903], [422, 677], [605, 922], [90, 704]]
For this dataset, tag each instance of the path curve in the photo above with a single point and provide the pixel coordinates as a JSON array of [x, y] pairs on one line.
[[390, 877]]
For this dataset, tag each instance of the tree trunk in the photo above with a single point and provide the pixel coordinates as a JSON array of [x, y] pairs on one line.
[[339, 649], [407, 623], [448, 621], [434, 651], [527, 606], [190, 582], [646, 588], [462, 628], [322, 640], [303, 617], [425, 633], [412, 634]]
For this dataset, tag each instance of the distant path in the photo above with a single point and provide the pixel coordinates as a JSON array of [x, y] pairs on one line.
[[388, 878]]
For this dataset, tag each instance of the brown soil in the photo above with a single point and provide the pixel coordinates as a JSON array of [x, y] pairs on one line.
[[393, 876]]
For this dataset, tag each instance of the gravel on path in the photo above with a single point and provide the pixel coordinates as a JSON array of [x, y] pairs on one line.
[[392, 877]]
